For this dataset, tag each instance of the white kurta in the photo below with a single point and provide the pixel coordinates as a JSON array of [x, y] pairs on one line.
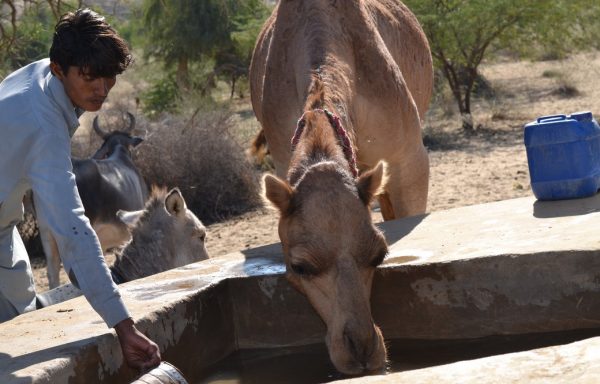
[[37, 120]]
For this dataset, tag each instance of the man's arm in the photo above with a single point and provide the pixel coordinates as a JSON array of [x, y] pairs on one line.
[[59, 209]]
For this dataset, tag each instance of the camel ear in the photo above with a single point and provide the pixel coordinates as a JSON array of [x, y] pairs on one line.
[[129, 218], [175, 203], [372, 182], [278, 192]]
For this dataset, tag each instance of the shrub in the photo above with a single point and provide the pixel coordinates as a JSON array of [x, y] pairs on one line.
[[203, 159], [565, 87], [163, 96], [552, 73]]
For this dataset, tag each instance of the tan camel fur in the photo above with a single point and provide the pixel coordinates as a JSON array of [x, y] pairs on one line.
[[368, 63], [164, 235]]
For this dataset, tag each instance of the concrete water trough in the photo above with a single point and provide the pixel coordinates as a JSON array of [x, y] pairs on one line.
[[500, 292]]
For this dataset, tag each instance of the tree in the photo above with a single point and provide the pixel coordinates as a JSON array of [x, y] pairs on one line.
[[25, 29], [8, 23], [233, 60], [462, 33], [179, 31]]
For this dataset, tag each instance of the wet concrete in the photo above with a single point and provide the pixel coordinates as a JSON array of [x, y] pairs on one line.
[[511, 267]]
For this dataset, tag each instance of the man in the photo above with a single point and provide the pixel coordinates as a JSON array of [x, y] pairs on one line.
[[40, 105]]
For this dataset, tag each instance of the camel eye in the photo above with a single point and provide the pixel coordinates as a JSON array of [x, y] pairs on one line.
[[303, 269], [379, 259]]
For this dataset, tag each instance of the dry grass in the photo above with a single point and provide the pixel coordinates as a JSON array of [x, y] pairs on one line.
[[202, 157]]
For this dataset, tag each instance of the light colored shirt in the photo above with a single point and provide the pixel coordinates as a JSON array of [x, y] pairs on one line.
[[37, 120]]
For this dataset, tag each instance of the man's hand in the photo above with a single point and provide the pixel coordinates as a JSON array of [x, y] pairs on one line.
[[139, 351]]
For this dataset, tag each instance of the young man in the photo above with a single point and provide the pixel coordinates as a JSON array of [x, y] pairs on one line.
[[40, 105]]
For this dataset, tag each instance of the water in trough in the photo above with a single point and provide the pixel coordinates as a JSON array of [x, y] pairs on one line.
[[310, 364]]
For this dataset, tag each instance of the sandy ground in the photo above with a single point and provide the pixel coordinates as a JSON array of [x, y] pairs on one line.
[[488, 165]]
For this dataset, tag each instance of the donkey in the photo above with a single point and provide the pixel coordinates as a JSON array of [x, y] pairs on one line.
[[165, 234]]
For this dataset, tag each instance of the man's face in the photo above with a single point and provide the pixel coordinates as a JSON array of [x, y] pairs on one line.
[[85, 91]]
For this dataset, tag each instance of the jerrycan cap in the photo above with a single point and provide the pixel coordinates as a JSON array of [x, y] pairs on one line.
[[583, 116]]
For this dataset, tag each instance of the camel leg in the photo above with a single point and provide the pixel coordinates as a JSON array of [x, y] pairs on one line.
[[407, 188], [385, 205]]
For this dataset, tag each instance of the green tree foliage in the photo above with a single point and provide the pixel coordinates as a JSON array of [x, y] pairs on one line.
[[162, 96], [233, 61], [8, 23], [462, 33], [26, 30], [180, 33], [33, 38]]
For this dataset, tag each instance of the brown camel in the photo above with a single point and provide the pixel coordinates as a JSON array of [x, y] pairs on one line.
[[340, 88]]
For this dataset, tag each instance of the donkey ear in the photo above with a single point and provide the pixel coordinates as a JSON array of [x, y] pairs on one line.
[[129, 218], [278, 192], [372, 182], [175, 203]]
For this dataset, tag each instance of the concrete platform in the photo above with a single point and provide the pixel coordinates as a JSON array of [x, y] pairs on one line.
[[507, 268], [571, 363]]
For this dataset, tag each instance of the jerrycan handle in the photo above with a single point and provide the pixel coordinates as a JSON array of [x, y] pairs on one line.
[[547, 119]]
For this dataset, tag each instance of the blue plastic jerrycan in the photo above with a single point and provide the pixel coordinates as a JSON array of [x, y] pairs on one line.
[[563, 153]]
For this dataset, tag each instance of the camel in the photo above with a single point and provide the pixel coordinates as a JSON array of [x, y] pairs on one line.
[[340, 90], [164, 235]]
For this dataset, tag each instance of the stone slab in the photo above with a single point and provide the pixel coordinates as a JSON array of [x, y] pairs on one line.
[[493, 268], [511, 227], [572, 363]]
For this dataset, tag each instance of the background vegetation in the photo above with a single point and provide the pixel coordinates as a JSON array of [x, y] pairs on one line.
[[191, 60], [189, 80], [464, 33]]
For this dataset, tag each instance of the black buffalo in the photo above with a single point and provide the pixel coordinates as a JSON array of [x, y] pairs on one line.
[[107, 182]]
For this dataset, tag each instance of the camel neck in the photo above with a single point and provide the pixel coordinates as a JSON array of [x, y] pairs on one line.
[[320, 136], [339, 130]]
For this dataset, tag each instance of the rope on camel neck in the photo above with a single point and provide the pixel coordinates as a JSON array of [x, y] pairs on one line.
[[342, 134]]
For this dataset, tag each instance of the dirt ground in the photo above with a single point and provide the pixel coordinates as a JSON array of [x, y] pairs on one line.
[[487, 165]]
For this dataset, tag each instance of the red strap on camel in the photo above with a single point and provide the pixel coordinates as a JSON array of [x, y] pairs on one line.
[[342, 134]]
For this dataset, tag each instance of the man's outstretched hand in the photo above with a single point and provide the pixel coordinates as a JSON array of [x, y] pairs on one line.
[[140, 352]]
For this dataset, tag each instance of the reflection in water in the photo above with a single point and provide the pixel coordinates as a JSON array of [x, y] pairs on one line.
[[311, 364], [399, 259], [307, 364]]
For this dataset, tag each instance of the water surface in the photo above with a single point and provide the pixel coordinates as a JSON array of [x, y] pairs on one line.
[[310, 364]]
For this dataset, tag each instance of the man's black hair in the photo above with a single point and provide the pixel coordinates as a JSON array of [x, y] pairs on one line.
[[84, 39]]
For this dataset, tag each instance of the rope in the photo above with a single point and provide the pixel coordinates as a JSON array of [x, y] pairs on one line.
[[341, 132]]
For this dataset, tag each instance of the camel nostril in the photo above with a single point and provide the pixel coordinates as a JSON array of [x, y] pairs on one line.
[[356, 348]]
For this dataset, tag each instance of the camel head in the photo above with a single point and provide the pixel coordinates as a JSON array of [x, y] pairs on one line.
[[331, 250]]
